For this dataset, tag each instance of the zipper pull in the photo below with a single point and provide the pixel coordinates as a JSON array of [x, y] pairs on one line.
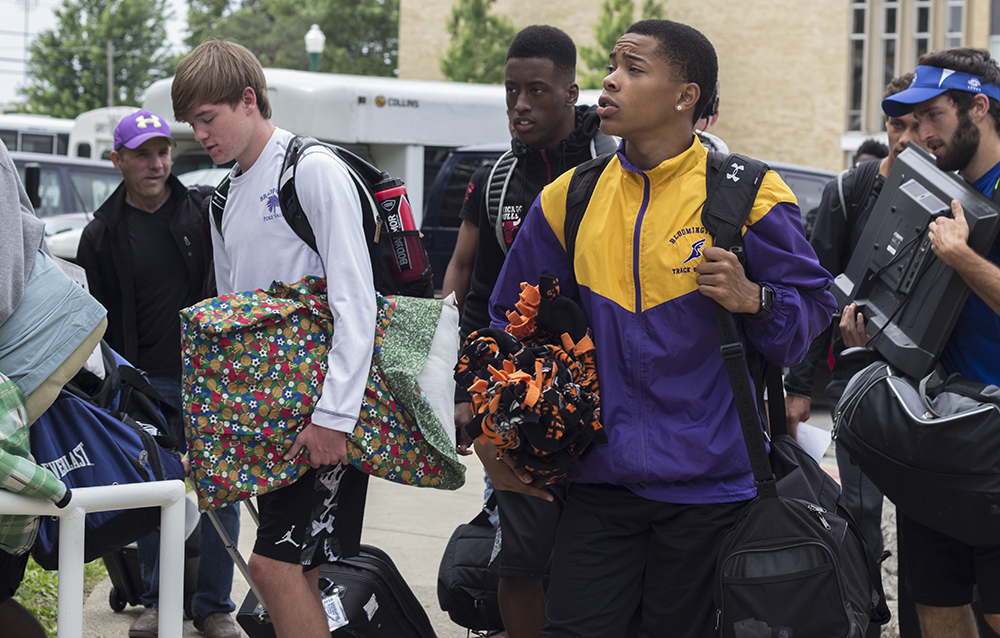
[[378, 228], [718, 619], [818, 511]]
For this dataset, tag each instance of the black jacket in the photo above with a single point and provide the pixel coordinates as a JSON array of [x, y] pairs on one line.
[[106, 255], [534, 170], [834, 238]]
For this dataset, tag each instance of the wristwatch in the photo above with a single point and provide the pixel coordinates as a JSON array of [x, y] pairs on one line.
[[766, 302]]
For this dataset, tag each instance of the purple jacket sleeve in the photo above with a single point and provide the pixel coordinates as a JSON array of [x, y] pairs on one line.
[[779, 255]]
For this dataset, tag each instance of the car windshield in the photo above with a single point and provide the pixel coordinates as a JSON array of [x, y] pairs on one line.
[[89, 189]]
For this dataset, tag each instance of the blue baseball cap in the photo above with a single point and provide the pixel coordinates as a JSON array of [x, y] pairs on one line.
[[930, 82], [140, 126]]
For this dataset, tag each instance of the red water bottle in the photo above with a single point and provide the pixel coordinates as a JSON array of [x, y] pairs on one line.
[[394, 207]]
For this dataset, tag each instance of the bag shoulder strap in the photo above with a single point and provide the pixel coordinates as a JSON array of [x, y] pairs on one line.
[[363, 174], [602, 144], [496, 193], [731, 185], [864, 179], [995, 198], [218, 204], [840, 192], [578, 194]]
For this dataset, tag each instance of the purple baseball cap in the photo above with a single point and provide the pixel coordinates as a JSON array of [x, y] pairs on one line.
[[930, 82], [140, 126]]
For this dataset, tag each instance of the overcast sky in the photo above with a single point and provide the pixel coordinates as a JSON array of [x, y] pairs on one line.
[[40, 18]]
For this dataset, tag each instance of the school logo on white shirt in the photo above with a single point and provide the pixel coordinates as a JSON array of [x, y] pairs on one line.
[[270, 200]]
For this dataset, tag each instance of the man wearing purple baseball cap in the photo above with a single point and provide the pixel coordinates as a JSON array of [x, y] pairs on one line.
[[955, 97], [146, 259]]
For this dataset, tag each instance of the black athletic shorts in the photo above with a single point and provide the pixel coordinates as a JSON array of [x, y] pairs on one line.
[[527, 532], [315, 520], [11, 573], [617, 551], [942, 570]]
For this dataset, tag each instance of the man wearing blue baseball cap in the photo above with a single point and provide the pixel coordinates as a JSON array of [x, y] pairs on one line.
[[955, 97], [146, 258]]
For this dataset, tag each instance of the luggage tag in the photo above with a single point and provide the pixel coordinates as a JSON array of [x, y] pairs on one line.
[[336, 617]]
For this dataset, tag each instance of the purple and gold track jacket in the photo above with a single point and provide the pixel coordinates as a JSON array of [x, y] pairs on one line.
[[666, 401]]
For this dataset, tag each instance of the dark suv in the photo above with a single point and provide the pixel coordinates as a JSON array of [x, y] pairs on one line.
[[444, 201]]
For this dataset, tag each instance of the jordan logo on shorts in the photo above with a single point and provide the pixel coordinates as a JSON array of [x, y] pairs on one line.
[[287, 538]]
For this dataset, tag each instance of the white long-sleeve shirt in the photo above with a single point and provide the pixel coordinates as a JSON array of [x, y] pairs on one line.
[[260, 248]]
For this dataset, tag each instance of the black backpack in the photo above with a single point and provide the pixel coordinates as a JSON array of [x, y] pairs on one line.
[[394, 251], [467, 586], [499, 179], [794, 562]]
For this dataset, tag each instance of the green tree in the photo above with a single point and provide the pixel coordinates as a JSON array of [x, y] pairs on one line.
[[362, 37], [479, 43], [68, 65], [616, 17]]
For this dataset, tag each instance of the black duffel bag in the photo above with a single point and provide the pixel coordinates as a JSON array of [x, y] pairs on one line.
[[932, 447], [794, 565], [467, 586]]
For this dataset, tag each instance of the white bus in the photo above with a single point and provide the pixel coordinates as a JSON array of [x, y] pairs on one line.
[[405, 127], [35, 133], [93, 131]]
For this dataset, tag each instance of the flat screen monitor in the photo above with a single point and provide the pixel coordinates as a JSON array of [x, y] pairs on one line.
[[910, 298]]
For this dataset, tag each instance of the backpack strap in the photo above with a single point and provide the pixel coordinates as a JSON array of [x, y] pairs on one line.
[[995, 198], [288, 199], [580, 190], [218, 204], [731, 185], [864, 180], [840, 192], [496, 193], [602, 144]]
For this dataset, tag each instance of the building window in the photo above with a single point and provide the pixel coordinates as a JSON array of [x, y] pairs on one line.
[[953, 23], [890, 13], [857, 68], [995, 29], [922, 28]]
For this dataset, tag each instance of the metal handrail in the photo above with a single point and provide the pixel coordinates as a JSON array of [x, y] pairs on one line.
[[168, 495]]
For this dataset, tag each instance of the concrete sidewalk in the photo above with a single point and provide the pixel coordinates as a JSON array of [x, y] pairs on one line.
[[411, 524]]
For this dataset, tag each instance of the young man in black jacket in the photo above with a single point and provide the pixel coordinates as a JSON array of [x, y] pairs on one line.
[[843, 212], [146, 257], [553, 135]]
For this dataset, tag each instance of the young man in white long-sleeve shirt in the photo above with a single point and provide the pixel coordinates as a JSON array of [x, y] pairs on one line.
[[221, 91]]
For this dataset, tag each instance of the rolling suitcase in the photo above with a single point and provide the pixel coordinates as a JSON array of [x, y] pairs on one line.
[[126, 579], [365, 596]]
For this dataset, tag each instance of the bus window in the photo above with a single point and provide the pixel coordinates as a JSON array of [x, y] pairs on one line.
[[35, 133], [37, 143], [9, 139]]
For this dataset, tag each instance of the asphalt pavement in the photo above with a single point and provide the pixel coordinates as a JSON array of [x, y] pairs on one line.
[[411, 524]]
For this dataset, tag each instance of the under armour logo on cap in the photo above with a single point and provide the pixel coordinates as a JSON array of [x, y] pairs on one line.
[[140, 126]]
